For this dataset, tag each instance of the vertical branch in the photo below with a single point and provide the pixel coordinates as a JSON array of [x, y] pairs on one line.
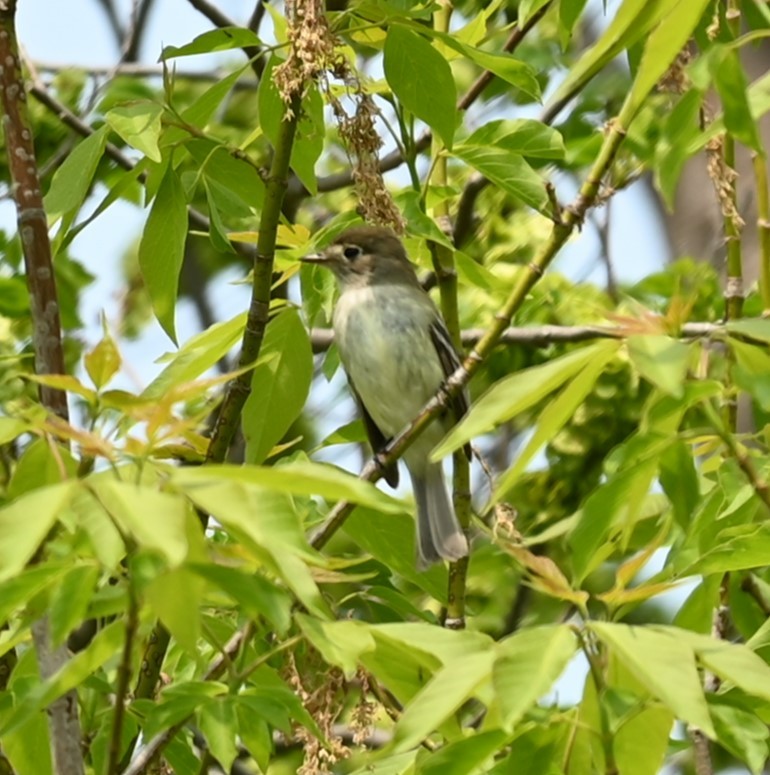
[[446, 275], [63, 721], [239, 388], [763, 227]]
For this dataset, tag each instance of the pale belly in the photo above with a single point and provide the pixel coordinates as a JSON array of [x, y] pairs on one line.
[[386, 349]]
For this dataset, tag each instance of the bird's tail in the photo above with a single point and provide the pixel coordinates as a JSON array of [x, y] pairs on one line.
[[439, 534]]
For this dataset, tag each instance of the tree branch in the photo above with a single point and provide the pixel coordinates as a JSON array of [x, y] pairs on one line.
[[541, 336]]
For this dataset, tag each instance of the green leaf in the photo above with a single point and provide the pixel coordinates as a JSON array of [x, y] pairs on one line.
[[664, 664], [299, 477], [528, 664], [757, 328], [679, 480], [752, 371], [733, 662], [11, 428], [279, 386], [508, 171], [603, 509], [103, 362], [139, 125], [137, 511], [70, 600], [254, 594], [515, 394], [555, 416], [102, 648], [632, 21], [730, 81], [222, 39], [663, 46], [26, 521], [405, 55], [464, 756], [523, 136], [737, 548], [661, 360], [235, 186], [391, 540], [197, 355], [504, 66], [742, 733], [72, 180], [447, 690], [641, 743], [217, 719], [569, 13], [340, 643], [161, 249], [275, 538], [176, 598]]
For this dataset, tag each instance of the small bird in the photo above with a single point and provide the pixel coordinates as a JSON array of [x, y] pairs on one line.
[[397, 352]]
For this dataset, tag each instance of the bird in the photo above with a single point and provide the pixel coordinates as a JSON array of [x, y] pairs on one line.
[[397, 352]]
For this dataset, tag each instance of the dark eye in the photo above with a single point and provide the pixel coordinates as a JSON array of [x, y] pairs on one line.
[[351, 252]]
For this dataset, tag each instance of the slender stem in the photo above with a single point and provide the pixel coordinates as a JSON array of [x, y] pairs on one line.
[[544, 336], [238, 390], [124, 678], [763, 228]]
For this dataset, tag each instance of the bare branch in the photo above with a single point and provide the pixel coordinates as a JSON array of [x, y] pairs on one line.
[[540, 336]]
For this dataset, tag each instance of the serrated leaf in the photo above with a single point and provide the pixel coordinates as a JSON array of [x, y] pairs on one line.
[[139, 125], [406, 53], [279, 386], [161, 249]]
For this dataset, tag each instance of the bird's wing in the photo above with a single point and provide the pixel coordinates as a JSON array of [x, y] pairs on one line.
[[376, 437], [450, 362]]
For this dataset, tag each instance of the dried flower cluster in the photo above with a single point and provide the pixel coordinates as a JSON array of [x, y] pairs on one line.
[[723, 178], [362, 142], [362, 716], [312, 50], [314, 56], [323, 703], [675, 80]]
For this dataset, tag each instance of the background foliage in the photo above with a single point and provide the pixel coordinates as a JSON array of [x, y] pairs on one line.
[[231, 602]]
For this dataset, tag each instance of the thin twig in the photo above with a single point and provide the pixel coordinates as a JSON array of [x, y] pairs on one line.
[[542, 336]]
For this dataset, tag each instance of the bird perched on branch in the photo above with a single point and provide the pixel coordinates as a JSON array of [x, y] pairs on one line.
[[397, 352]]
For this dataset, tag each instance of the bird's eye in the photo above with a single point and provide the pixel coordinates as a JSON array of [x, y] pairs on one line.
[[351, 252]]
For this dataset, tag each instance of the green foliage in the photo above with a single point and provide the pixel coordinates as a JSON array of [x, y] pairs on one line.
[[617, 470]]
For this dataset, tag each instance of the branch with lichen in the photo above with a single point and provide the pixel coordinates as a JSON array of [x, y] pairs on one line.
[[64, 723]]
